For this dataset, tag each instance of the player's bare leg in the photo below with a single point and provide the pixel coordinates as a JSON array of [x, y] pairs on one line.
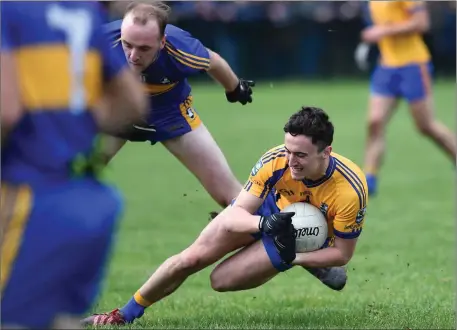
[[251, 267], [380, 111], [198, 151], [213, 244], [247, 269], [426, 123]]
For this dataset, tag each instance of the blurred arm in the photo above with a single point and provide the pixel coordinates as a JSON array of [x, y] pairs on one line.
[[419, 21], [221, 71], [11, 108], [122, 104]]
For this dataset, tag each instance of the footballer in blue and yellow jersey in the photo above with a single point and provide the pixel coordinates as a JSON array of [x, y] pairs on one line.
[[404, 71], [165, 64], [303, 169], [165, 80], [57, 218]]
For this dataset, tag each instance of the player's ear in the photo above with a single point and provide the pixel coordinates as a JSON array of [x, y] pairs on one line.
[[327, 151], [162, 42]]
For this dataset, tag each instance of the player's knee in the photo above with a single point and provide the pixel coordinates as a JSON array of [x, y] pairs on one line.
[[375, 125], [220, 280], [426, 128], [191, 260]]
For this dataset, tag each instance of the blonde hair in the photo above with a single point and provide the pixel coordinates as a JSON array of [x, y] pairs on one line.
[[144, 11]]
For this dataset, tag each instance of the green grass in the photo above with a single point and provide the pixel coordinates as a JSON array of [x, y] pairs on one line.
[[402, 274]]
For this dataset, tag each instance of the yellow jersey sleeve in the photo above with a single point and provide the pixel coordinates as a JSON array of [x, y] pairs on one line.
[[266, 172], [349, 215]]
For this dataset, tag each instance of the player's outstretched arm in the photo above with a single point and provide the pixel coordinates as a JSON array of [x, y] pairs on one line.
[[338, 255], [236, 90], [239, 218]]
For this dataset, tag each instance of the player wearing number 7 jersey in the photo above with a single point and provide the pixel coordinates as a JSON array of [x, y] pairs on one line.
[[61, 86]]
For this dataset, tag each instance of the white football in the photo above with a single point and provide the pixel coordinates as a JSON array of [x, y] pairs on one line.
[[310, 226]]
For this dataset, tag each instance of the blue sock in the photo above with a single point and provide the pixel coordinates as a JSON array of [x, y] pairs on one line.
[[132, 310], [372, 183]]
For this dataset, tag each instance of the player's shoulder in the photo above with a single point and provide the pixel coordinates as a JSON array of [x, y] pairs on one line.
[[176, 36], [350, 180], [274, 159], [275, 153], [179, 39]]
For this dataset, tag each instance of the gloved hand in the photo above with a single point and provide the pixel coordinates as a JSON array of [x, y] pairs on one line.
[[242, 92], [285, 244], [276, 223]]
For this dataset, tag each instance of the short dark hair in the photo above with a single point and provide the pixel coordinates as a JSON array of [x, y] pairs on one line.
[[143, 11], [314, 123]]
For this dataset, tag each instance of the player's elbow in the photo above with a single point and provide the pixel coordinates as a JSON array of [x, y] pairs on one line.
[[216, 62]]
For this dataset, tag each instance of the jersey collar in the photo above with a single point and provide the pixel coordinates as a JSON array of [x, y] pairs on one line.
[[328, 174]]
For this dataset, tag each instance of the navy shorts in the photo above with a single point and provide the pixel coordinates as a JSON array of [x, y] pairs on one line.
[[411, 82], [55, 250], [267, 208], [174, 120]]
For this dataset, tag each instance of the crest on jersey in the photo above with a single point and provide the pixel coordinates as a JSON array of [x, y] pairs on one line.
[[165, 81], [190, 113], [324, 209], [256, 168], [360, 215]]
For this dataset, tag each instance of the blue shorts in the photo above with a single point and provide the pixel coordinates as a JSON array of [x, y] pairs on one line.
[[269, 207], [56, 247], [412, 82], [175, 120]]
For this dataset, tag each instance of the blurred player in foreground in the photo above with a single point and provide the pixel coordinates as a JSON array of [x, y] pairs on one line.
[[404, 71], [303, 169], [61, 84], [165, 56]]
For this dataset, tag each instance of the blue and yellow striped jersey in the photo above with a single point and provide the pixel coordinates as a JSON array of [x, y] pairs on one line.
[[341, 194], [166, 78], [62, 60]]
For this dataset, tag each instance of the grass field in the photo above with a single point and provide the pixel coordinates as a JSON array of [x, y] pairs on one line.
[[402, 274]]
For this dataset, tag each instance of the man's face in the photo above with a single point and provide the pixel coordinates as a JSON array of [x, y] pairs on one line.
[[304, 158], [141, 43]]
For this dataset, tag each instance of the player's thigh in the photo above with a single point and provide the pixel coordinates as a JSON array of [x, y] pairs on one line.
[[55, 248], [384, 95], [199, 152], [246, 269]]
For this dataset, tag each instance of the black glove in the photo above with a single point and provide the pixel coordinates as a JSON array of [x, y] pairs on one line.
[[285, 244], [242, 92], [137, 132], [276, 223]]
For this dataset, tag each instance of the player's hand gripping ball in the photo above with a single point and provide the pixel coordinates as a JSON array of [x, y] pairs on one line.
[[242, 93], [276, 223], [310, 226]]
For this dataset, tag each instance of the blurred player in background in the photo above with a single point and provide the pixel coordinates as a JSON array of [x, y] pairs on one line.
[[165, 56], [404, 71], [61, 85], [304, 169]]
